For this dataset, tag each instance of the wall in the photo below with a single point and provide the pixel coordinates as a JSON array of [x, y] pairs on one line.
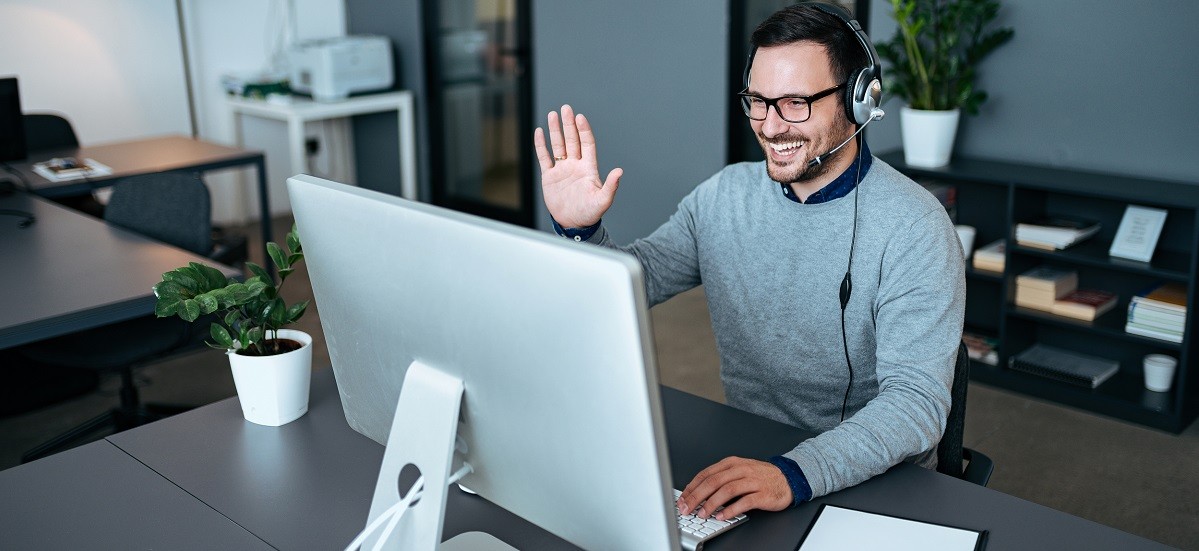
[[113, 67], [375, 136], [650, 76], [1102, 85], [232, 36]]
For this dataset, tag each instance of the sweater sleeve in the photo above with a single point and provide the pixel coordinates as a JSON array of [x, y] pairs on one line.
[[669, 255], [918, 317]]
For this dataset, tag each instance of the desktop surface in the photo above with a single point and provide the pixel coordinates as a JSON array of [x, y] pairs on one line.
[[308, 484], [68, 271]]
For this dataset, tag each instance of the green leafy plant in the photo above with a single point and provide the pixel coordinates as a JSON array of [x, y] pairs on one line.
[[936, 49], [251, 312]]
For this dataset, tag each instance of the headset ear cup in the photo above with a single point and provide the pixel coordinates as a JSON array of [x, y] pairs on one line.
[[851, 89]]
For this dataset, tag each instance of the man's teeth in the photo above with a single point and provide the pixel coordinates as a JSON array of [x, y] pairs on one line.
[[781, 147]]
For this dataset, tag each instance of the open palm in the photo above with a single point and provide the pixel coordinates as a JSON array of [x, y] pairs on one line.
[[570, 182]]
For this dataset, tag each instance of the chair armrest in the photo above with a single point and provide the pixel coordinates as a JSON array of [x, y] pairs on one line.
[[979, 467]]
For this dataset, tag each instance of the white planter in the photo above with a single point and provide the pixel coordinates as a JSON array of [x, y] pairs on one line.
[[273, 390], [928, 136]]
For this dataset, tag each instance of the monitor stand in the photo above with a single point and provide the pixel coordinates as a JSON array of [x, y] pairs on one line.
[[423, 433]]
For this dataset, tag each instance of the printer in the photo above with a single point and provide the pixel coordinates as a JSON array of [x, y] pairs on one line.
[[330, 69]]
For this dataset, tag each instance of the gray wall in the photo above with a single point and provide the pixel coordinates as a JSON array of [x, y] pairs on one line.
[[650, 76], [375, 139], [1088, 85]]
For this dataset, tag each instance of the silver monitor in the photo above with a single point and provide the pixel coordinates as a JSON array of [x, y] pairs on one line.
[[559, 415]]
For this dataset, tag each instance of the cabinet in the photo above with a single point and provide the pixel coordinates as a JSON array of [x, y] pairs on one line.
[[993, 197]]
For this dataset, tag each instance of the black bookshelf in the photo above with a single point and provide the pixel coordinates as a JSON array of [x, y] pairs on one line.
[[995, 196]]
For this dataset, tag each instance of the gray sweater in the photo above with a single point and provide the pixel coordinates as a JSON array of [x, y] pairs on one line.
[[771, 269]]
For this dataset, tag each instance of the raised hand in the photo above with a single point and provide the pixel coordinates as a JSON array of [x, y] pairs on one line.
[[570, 183]]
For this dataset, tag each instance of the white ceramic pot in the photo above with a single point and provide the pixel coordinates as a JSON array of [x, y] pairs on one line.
[[928, 136], [273, 390]]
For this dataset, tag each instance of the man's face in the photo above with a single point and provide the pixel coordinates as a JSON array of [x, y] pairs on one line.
[[797, 69]]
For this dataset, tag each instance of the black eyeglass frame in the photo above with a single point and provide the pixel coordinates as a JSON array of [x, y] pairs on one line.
[[745, 96]]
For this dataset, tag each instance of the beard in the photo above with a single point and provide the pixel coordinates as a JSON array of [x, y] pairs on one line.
[[796, 170]]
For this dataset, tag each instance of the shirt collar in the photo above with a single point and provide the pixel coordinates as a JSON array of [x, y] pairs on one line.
[[839, 187]]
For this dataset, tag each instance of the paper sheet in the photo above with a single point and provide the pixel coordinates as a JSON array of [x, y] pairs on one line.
[[837, 528]]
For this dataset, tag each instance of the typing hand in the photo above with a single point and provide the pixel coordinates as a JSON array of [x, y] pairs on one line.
[[570, 184], [753, 484]]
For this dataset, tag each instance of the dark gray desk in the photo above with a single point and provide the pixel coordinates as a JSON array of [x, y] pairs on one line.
[[148, 156], [308, 485], [69, 271], [97, 497]]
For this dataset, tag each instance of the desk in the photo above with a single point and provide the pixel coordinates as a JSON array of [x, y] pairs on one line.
[[148, 156], [301, 110], [69, 271], [97, 497], [308, 484]]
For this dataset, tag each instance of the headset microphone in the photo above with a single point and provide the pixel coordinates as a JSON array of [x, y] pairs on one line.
[[875, 114]]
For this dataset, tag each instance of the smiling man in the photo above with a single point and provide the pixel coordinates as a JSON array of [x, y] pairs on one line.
[[835, 284]]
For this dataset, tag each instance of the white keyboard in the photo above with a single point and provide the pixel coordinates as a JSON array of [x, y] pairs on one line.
[[694, 531]]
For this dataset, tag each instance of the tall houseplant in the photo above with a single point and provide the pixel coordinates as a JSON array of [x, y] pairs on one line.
[[933, 57], [271, 365]]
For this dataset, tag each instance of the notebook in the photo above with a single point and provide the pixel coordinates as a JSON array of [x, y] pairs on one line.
[[838, 528], [1065, 366]]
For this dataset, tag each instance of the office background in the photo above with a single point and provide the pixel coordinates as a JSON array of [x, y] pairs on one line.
[[1102, 85]]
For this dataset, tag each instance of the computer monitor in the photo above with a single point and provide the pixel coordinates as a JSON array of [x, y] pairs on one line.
[[550, 339], [12, 122]]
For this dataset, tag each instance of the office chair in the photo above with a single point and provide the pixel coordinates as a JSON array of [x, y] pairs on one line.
[[950, 451], [46, 131], [174, 208]]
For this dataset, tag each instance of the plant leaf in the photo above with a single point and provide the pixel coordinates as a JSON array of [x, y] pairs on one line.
[[189, 310], [221, 335], [295, 311], [258, 271], [213, 278], [277, 256], [208, 303]]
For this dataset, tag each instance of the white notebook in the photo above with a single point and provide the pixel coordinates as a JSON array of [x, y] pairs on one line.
[[838, 528]]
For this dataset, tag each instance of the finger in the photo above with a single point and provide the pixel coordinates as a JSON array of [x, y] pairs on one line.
[[688, 497], [571, 132], [586, 140], [707, 490], [747, 502], [612, 183], [556, 135], [729, 491], [543, 155]]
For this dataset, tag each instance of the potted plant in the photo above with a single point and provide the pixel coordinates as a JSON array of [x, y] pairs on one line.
[[933, 57], [271, 365]]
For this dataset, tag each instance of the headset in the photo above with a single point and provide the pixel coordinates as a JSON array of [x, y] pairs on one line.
[[863, 95], [864, 88]]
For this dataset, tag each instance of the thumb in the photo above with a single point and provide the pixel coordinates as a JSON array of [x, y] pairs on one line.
[[613, 181]]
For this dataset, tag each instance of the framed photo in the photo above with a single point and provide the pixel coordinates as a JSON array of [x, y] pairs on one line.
[[1138, 233]]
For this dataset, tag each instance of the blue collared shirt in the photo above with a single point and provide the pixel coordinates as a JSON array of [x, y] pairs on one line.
[[838, 188]]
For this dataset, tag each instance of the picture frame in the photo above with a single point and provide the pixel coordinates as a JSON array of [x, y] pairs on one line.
[[1136, 239]]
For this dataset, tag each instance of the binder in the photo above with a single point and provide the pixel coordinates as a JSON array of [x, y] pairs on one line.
[[1065, 366]]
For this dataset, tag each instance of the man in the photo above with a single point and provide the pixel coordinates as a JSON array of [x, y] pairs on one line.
[[772, 243]]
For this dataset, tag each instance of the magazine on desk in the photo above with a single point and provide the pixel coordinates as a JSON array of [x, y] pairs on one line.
[[63, 169]]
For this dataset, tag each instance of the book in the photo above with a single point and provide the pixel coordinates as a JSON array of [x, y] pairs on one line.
[[1171, 297], [1173, 326], [1065, 366], [62, 169], [1056, 232], [1144, 331], [1039, 299], [991, 257], [1085, 304], [1057, 280]]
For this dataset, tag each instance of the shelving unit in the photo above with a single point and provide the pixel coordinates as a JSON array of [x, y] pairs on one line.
[[994, 196]]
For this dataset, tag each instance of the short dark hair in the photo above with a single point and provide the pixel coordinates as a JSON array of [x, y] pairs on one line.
[[803, 22]]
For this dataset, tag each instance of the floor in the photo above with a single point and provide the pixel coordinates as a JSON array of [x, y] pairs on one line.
[[1139, 480]]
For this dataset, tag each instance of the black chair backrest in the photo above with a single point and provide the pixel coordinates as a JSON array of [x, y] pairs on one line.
[[949, 450], [172, 207], [48, 131]]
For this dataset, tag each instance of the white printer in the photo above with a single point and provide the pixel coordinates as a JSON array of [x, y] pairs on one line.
[[332, 68]]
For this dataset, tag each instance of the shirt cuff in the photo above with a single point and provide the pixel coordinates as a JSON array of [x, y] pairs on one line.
[[801, 491], [578, 234]]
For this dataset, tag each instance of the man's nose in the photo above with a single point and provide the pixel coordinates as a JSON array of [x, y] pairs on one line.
[[774, 123]]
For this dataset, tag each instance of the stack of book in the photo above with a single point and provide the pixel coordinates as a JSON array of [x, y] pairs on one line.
[[1084, 304], [1055, 233], [1040, 287], [61, 169], [990, 257], [1159, 312]]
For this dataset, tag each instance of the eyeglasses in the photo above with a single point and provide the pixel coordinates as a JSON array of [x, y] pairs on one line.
[[790, 108]]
